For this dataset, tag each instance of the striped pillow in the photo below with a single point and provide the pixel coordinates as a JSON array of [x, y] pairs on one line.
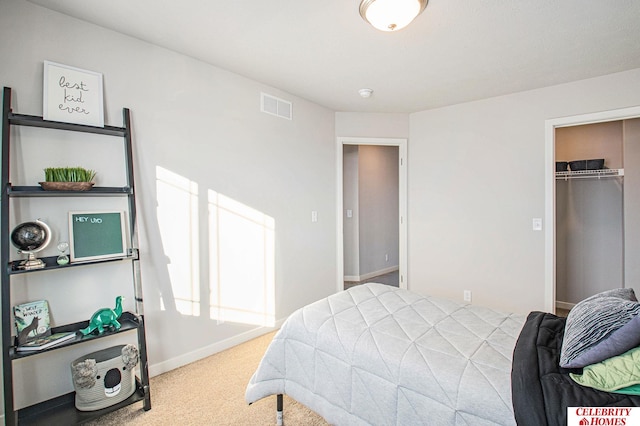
[[593, 320]]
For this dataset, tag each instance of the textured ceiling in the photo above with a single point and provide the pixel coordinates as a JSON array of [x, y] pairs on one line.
[[456, 51]]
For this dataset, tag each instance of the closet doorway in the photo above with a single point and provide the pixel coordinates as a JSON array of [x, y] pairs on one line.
[[592, 209], [371, 214]]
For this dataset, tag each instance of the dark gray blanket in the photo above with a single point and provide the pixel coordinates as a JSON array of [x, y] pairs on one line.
[[541, 390]]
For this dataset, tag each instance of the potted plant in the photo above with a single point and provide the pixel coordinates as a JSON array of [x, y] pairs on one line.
[[67, 179]]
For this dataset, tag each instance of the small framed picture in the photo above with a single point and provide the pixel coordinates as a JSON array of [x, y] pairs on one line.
[[72, 95], [95, 235]]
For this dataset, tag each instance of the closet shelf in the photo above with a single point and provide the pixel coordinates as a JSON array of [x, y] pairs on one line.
[[584, 174]]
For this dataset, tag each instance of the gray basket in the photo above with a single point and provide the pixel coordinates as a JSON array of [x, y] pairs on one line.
[[105, 377]]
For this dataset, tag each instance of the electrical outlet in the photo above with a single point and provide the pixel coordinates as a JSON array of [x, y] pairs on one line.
[[386, 257], [467, 296]]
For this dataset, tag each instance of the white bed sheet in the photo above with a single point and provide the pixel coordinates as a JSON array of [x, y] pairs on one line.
[[379, 355]]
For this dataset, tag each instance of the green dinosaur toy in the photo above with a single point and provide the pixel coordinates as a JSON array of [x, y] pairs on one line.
[[103, 318]]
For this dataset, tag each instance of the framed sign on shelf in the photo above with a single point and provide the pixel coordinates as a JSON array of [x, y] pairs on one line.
[[95, 235], [72, 95]]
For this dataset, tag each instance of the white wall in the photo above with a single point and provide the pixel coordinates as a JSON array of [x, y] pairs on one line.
[[476, 180], [378, 209], [372, 125], [203, 124]]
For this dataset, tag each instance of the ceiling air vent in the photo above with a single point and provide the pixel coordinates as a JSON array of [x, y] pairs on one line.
[[275, 106]]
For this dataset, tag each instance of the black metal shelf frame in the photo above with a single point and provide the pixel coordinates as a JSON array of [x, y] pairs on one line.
[[61, 409]]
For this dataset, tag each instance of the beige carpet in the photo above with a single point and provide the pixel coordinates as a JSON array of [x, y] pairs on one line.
[[211, 392]]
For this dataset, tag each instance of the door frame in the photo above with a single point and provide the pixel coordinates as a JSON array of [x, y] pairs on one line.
[[401, 143], [550, 186]]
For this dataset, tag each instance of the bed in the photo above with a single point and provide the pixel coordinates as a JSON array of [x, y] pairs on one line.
[[376, 354], [379, 355]]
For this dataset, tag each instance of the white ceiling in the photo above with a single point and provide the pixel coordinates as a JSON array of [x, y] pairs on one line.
[[456, 51]]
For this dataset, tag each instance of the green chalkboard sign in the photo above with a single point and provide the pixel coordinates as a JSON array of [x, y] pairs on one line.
[[97, 235]]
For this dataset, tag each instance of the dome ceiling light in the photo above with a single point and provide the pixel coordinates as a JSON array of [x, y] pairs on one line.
[[365, 93], [391, 15]]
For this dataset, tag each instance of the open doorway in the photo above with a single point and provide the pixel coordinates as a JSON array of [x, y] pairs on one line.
[[630, 207], [371, 211], [590, 209]]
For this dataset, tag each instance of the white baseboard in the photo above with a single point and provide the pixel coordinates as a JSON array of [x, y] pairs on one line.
[[358, 278], [564, 305], [188, 358]]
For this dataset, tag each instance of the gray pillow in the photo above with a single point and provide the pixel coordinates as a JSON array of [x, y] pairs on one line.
[[620, 341], [593, 321]]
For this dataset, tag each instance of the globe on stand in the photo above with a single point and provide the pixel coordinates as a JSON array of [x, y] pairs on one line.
[[30, 238]]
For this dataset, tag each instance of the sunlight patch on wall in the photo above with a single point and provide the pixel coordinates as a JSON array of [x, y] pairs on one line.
[[178, 222], [242, 275]]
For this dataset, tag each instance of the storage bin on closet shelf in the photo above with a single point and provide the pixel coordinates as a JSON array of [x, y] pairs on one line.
[[593, 164]]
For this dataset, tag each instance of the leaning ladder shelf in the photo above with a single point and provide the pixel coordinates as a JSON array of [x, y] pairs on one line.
[[61, 409]]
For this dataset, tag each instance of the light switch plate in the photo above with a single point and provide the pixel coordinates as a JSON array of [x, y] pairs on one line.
[[537, 224]]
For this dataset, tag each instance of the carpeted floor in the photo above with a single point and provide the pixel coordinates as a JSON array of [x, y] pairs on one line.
[[211, 392]]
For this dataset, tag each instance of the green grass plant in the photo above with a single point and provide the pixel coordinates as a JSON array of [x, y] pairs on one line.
[[68, 174]]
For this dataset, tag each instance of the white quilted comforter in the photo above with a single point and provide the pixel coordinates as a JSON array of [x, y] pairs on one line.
[[379, 355]]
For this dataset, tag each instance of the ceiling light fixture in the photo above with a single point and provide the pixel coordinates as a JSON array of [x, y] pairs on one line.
[[365, 93], [391, 15]]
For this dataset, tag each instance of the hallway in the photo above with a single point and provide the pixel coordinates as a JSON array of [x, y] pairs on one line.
[[392, 278]]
